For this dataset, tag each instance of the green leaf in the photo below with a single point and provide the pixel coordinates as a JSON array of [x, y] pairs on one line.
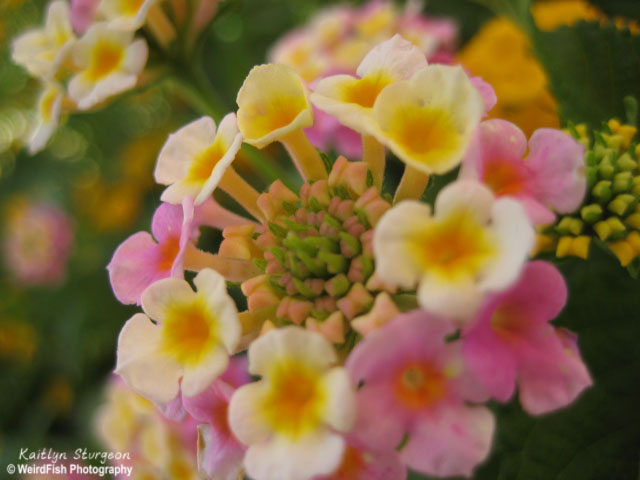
[[619, 8], [592, 68]]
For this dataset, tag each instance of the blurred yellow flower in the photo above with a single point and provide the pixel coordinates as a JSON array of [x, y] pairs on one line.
[[501, 54], [17, 340]]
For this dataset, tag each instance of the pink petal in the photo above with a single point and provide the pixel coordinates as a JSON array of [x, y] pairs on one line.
[[167, 222], [487, 92], [488, 358], [558, 163], [219, 456], [494, 140], [553, 375], [82, 14], [134, 267], [174, 410], [540, 294], [452, 442], [415, 334], [538, 213], [362, 463]]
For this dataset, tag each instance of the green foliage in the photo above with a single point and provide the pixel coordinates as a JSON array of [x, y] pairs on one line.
[[591, 68], [624, 8]]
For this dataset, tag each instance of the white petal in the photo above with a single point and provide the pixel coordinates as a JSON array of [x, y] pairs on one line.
[[341, 408], [140, 364], [163, 294], [246, 419], [395, 263], [310, 349], [515, 236], [397, 56], [213, 288], [458, 301], [197, 378], [181, 147], [467, 195], [281, 459]]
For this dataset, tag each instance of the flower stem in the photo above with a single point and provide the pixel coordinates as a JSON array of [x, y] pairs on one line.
[[374, 155], [304, 155], [242, 192], [412, 184]]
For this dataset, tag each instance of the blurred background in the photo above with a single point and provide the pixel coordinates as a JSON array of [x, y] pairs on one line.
[[66, 209]]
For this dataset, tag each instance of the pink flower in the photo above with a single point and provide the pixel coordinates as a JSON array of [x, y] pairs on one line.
[[142, 259], [360, 462], [551, 177], [220, 454], [415, 384], [511, 341], [82, 14], [38, 240]]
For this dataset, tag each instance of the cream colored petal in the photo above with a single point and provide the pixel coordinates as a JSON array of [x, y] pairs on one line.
[[455, 300], [140, 364], [246, 419], [307, 348], [136, 56], [515, 237], [397, 56], [282, 459], [213, 288], [114, 84], [177, 192], [395, 262], [468, 195], [272, 103], [198, 377], [341, 404], [181, 148], [163, 294], [428, 121]]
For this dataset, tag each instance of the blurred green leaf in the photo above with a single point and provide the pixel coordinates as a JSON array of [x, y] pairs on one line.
[[591, 69], [619, 8]]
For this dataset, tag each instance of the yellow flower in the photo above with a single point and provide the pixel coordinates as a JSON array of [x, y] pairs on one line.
[[49, 107], [273, 105], [126, 14]]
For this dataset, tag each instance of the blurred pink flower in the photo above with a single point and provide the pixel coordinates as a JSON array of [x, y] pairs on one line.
[[551, 177], [415, 384], [82, 14], [220, 454], [37, 243], [511, 341]]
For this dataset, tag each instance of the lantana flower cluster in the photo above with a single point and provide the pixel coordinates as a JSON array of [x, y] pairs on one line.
[[337, 38], [377, 326], [83, 56]]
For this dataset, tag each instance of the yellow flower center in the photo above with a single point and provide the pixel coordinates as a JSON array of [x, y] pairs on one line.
[[130, 7], [426, 134], [189, 331], [364, 91], [272, 113], [456, 248], [419, 385], [296, 399], [106, 57], [203, 165]]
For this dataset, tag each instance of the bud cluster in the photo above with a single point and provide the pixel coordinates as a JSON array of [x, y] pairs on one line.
[[611, 210]]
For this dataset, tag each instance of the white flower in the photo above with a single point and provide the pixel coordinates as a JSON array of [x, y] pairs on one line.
[[190, 344], [473, 244], [42, 50], [126, 14], [109, 62], [291, 417], [49, 107], [195, 157]]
